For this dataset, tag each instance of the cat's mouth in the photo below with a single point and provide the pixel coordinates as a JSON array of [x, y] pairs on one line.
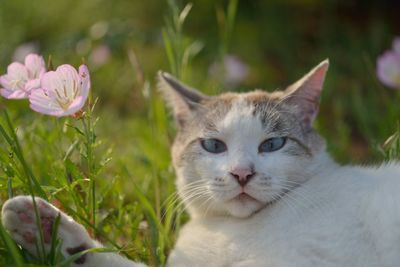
[[242, 197]]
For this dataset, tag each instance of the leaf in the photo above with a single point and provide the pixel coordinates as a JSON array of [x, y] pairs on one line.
[[169, 51], [185, 12], [71, 149], [75, 128]]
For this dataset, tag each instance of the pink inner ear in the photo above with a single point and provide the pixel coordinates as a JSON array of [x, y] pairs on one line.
[[305, 93], [313, 85]]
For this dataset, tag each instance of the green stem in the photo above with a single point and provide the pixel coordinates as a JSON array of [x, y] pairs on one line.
[[89, 142], [12, 140]]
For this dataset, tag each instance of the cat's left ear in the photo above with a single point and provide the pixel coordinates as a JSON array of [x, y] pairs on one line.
[[182, 99], [305, 93]]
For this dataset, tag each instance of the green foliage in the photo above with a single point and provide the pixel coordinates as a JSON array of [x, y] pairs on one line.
[[180, 50], [391, 147], [111, 169]]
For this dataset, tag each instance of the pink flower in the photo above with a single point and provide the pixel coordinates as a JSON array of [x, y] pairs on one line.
[[233, 70], [388, 66], [21, 79], [62, 92], [100, 55], [24, 50]]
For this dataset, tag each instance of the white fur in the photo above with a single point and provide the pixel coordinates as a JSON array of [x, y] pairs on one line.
[[339, 216], [346, 216], [242, 133]]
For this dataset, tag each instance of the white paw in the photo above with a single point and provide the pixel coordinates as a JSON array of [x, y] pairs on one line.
[[18, 217]]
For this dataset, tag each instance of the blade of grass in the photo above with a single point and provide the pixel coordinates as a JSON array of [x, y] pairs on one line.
[[54, 240], [32, 181], [87, 223], [226, 22], [12, 140], [11, 247], [9, 187], [76, 256]]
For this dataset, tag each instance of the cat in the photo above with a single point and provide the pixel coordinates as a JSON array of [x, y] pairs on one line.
[[259, 186]]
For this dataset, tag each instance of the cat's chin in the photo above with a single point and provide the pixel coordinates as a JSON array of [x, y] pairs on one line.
[[243, 206]]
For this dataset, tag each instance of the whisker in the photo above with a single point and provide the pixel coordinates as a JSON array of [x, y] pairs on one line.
[[303, 198], [192, 199], [176, 201], [209, 205]]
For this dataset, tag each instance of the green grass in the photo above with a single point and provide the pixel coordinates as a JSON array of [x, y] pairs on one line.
[[111, 170]]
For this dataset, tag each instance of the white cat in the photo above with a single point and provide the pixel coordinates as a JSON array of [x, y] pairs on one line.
[[259, 187]]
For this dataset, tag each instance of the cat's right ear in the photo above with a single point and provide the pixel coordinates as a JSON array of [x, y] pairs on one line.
[[182, 99], [305, 93]]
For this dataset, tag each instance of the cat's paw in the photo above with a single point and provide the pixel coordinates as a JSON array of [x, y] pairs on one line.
[[18, 217]]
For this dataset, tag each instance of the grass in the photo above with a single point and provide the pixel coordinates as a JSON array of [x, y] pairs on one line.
[[111, 170]]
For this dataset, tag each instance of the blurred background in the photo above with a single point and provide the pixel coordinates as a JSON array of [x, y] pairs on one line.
[[272, 44], [214, 46]]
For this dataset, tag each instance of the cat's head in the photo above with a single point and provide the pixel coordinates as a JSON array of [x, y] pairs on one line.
[[237, 152]]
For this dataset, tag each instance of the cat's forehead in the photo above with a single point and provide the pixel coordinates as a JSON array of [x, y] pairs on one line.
[[225, 102], [244, 110]]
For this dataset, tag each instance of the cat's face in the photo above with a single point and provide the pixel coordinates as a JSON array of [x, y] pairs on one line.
[[236, 153]]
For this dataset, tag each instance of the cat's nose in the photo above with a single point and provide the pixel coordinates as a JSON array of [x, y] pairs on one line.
[[242, 175]]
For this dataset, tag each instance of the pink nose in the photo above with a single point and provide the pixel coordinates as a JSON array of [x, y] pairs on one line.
[[242, 175]]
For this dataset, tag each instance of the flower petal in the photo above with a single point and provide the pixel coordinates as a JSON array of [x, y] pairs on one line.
[[32, 84], [17, 69], [388, 69], [69, 78], [51, 83], [47, 111], [59, 112], [41, 102], [17, 76], [13, 85], [10, 94], [76, 105], [35, 65], [5, 81], [85, 80]]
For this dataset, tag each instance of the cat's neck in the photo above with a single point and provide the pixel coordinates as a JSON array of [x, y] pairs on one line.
[[323, 166]]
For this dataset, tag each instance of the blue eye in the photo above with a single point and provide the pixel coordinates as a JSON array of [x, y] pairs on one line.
[[213, 145], [272, 144]]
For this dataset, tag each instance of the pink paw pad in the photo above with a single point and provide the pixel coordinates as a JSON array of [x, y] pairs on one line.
[[29, 237], [19, 218], [28, 205], [47, 225], [25, 218]]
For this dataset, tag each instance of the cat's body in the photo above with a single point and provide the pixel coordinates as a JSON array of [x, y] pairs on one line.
[[260, 188], [352, 218]]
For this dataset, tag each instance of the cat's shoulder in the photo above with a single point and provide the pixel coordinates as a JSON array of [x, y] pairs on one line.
[[375, 172], [387, 179], [383, 172], [390, 166]]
